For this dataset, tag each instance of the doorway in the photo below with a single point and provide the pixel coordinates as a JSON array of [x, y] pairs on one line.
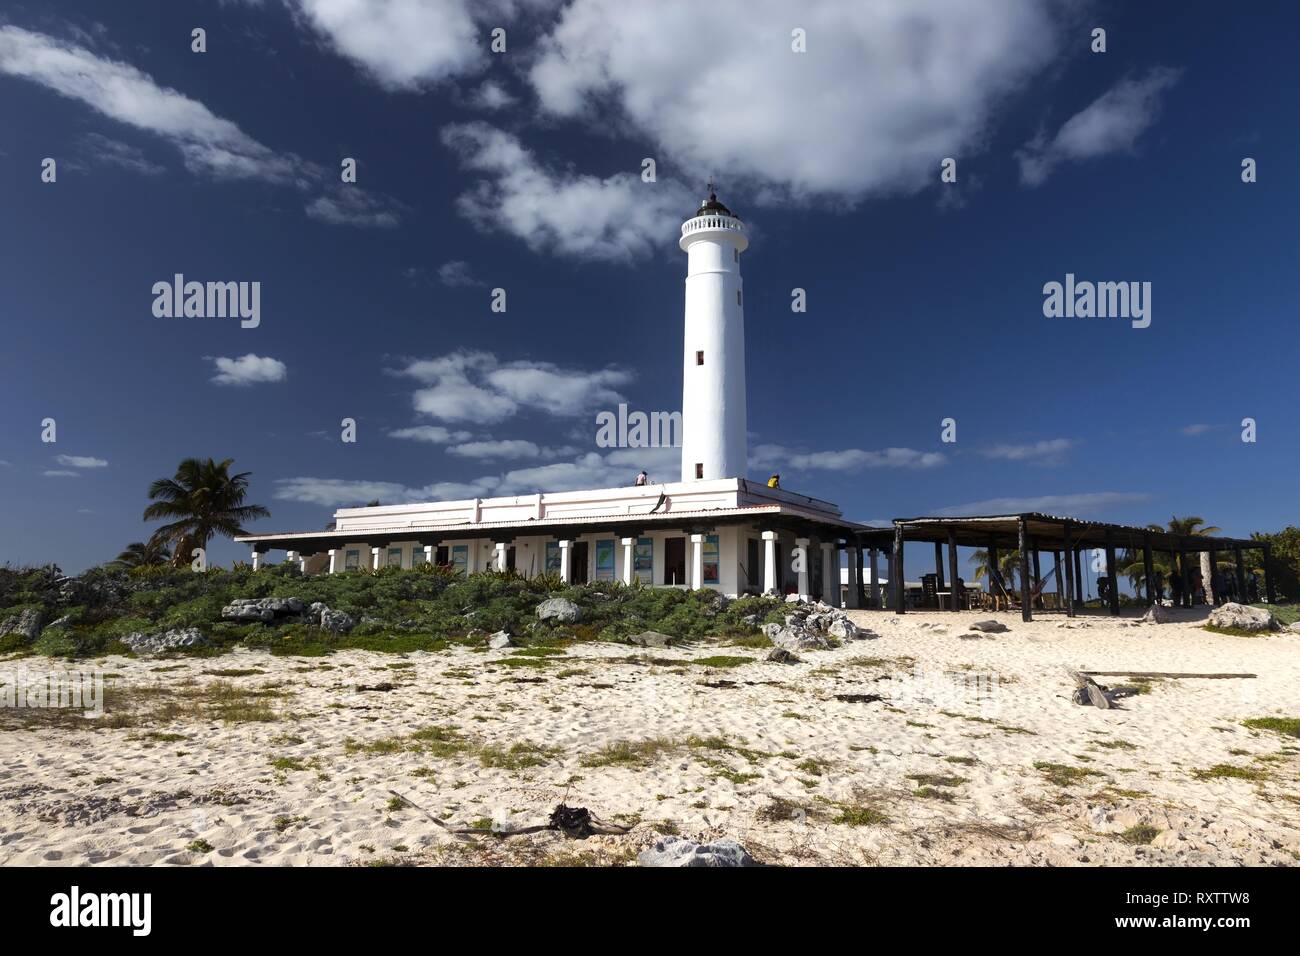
[[578, 571], [675, 561]]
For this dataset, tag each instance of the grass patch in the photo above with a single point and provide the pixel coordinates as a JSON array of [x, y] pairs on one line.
[[199, 846], [1286, 726], [516, 757], [1222, 771], [1063, 775], [1140, 835], [933, 793], [722, 661], [936, 780], [631, 753]]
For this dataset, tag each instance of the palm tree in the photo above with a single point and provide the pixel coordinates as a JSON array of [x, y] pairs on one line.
[[205, 500], [1008, 565], [140, 554], [1131, 564]]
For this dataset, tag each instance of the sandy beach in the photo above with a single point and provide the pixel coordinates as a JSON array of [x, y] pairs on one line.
[[924, 744]]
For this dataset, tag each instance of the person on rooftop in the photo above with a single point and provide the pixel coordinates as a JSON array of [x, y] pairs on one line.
[[774, 481]]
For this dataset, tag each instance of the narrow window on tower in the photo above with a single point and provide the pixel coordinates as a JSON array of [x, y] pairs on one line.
[[699, 358], [738, 302], [699, 469], [736, 254]]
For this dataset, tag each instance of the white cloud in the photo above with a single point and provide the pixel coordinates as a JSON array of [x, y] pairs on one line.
[[97, 148], [562, 211], [248, 369], [456, 274], [401, 44], [504, 448], [592, 470], [58, 473], [432, 434], [208, 144], [778, 456], [885, 90], [492, 96], [476, 387], [1048, 452], [1112, 123], [1086, 503], [1199, 429], [80, 461], [350, 205]]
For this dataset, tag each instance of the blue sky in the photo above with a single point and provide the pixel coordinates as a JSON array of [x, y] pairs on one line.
[[521, 170]]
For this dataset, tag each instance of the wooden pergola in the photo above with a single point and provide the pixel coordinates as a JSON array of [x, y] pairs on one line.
[[1032, 534]]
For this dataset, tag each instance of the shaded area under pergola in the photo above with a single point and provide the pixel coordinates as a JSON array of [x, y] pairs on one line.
[[1032, 534]]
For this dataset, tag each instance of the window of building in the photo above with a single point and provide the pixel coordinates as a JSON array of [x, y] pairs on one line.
[[418, 556], [736, 253], [460, 558], [552, 557], [699, 358], [605, 560], [351, 560], [710, 546], [394, 559], [738, 302], [643, 560], [699, 469]]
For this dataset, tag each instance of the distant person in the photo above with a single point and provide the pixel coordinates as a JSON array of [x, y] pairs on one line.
[[774, 481], [642, 479]]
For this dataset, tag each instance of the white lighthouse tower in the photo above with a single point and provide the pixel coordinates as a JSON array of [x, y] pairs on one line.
[[714, 443]]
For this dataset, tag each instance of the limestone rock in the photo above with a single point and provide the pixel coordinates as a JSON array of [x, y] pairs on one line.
[[266, 610], [989, 627], [676, 851], [781, 656], [651, 639], [1243, 618], [558, 609], [795, 638], [26, 622], [498, 640], [1158, 614], [843, 628], [159, 642]]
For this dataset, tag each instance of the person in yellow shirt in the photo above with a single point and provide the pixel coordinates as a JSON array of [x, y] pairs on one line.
[[774, 481]]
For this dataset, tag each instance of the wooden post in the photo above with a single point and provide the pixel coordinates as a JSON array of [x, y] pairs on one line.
[[858, 582], [1187, 577], [1242, 596], [1112, 574], [1269, 596], [896, 582], [952, 568], [1038, 574], [1026, 612], [938, 568], [1069, 573], [1148, 566], [1078, 576], [994, 570], [875, 580]]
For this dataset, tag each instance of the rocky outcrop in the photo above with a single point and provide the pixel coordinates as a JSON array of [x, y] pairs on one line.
[[812, 626], [677, 851], [561, 610], [1243, 618], [989, 627], [266, 610], [779, 655], [27, 622], [159, 642], [651, 639], [1158, 614], [499, 640], [336, 622]]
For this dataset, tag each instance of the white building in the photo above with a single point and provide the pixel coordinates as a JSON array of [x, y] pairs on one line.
[[713, 529]]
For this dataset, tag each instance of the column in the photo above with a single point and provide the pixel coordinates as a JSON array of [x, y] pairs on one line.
[[851, 592], [1066, 556], [374, 559], [899, 584], [333, 561], [802, 545], [1242, 596], [565, 549], [302, 563], [952, 569], [769, 562], [1112, 572], [938, 568], [628, 545], [697, 561], [875, 579], [1148, 570], [1269, 593], [428, 554], [291, 556], [830, 574], [1026, 612], [257, 559], [500, 557]]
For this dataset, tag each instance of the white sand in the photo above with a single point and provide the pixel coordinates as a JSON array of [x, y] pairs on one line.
[[155, 797]]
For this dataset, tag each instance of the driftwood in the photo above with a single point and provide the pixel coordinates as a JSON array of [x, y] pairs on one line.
[[1171, 675], [1088, 691], [575, 822], [859, 698]]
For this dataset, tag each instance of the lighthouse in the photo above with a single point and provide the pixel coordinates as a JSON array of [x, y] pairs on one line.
[[714, 442]]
